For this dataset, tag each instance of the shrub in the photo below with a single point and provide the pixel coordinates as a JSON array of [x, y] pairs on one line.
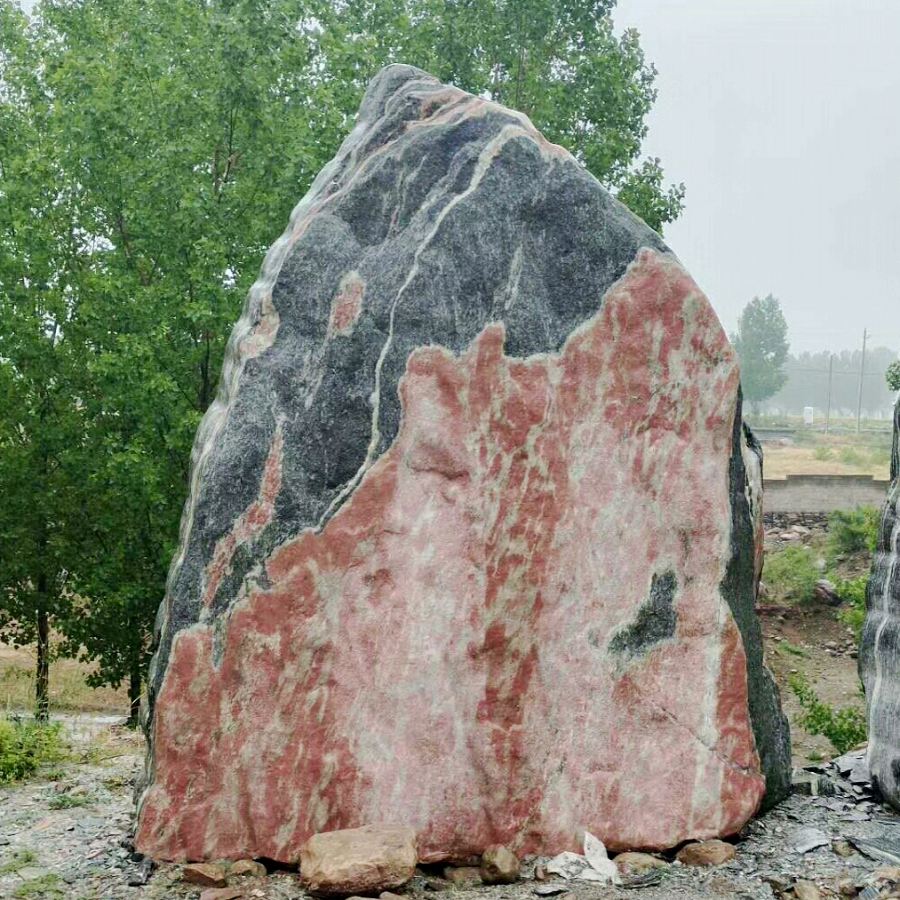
[[19, 860], [791, 573], [844, 728], [25, 746], [853, 530], [892, 375], [853, 593], [850, 456], [823, 453]]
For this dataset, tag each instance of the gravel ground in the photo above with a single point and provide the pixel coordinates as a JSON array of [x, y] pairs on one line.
[[67, 835]]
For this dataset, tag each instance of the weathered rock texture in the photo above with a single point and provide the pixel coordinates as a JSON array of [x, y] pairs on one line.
[[879, 655], [472, 539]]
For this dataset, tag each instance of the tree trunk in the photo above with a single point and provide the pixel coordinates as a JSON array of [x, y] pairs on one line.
[[134, 698], [42, 673]]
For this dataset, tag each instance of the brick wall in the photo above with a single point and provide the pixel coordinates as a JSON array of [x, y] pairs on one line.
[[822, 493]]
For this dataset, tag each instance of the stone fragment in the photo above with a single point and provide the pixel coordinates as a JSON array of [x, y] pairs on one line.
[[478, 443], [632, 863], [499, 865], [602, 868], [806, 890], [463, 876], [567, 864], [358, 860], [205, 875], [879, 651], [825, 592], [842, 848], [550, 890], [889, 874], [226, 893], [806, 839], [706, 853], [249, 867], [885, 848]]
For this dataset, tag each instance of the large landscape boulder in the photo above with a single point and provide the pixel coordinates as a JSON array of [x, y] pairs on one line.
[[472, 541], [879, 654]]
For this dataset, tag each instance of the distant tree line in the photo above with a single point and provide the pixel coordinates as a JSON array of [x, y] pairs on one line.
[[807, 383], [774, 380], [150, 151]]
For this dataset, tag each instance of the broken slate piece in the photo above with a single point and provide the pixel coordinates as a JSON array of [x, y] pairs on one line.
[[595, 854], [806, 839], [885, 849], [859, 774], [566, 864], [550, 890]]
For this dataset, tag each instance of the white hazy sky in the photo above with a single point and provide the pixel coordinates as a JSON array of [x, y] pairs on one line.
[[782, 117]]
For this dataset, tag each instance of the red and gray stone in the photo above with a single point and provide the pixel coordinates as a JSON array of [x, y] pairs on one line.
[[472, 540], [879, 653]]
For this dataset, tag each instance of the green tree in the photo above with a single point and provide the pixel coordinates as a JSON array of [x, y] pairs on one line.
[[189, 129], [558, 61], [893, 375], [762, 347], [170, 139], [41, 422]]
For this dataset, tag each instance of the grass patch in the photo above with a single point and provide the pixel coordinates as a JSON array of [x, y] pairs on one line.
[[853, 531], [850, 456], [844, 728], [853, 593], [18, 860], [791, 574], [68, 689], [26, 746], [69, 801], [47, 887], [793, 649]]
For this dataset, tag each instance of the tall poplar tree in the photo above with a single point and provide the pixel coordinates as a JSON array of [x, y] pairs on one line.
[[152, 151]]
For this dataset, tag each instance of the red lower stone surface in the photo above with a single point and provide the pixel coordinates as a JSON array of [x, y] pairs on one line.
[[462, 649]]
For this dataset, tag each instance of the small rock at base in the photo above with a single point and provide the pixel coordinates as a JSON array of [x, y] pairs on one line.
[[806, 890], [387, 895], [228, 893], [706, 853], [358, 860], [204, 874], [887, 873], [463, 876], [499, 865], [843, 848], [631, 863], [248, 867]]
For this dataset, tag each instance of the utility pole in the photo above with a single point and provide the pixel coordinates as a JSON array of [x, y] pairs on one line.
[[830, 377], [862, 373]]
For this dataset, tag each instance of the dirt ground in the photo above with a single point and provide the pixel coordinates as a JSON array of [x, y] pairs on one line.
[[814, 453], [799, 641], [68, 689]]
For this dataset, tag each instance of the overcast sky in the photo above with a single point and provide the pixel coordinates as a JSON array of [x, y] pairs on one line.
[[782, 117]]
